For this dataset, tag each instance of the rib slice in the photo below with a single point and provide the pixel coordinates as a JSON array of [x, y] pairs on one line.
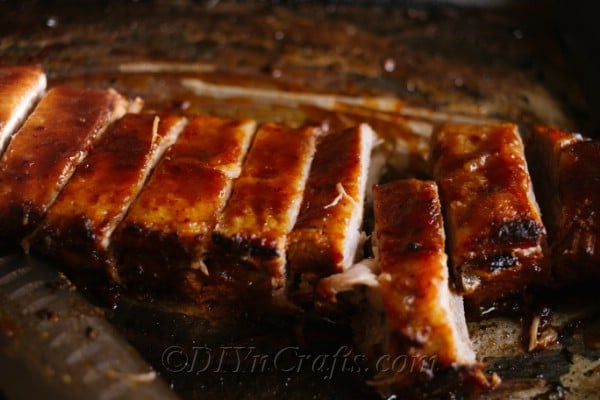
[[414, 325], [327, 231], [79, 224], [20, 88], [266, 200], [566, 175], [425, 319], [169, 225], [43, 154], [496, 236]]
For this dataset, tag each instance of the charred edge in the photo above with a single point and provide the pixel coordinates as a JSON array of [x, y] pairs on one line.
[[80, 228], [148, 258], [164, 245], [134, 229], [245, 246], [519, 231], [493, 262], [502, 261]]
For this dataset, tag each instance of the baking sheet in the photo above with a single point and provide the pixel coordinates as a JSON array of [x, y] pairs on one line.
[[507, 63]]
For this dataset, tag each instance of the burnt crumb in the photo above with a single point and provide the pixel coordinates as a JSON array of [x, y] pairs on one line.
[[91, 333], [502, 261], [520, 231], [48, 315]]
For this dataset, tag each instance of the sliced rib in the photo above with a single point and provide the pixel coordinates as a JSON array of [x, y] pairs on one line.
[[169, 225], [20, 88], [327, 232], [426, 320], [43, 154], [414, 325], [266, 200], [78, 226], [566, 176], [496, 236]]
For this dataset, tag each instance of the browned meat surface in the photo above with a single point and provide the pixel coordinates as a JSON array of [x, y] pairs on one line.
[[266, 201], [169, 225], [510, 63], [406, 310], [567, 180], [425, 319], [43, 154], [577, 241], [327, 232], [544, 146], [496, 236], [20, 88], [79, 224]]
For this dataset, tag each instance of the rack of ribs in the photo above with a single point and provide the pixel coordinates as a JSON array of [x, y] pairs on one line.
[[168, 227], [496, 236], [78, 226], [566, 176], [43, 154], [20, 89], [253, 229], [327, 233]]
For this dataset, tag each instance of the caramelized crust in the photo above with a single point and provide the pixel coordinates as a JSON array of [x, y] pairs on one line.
[[326, 234], [266, 199], [79, 224], [495, 230], [169, 225], [544, 146], [576, 242], [425, 319], [566, 174], [20, 88], [42, 156]]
